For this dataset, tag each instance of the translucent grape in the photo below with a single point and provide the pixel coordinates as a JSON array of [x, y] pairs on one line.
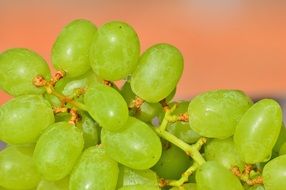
[[274, 177], [22, 119], [128, 176], [57, 150], [17, 168], [182, 129], [18, 68], [224, 152], [106, 106], [159, 70], [256, 187], [139, 187], [62, 184], [173, 163], [115, 50], [258, 130], [215, 114], [136, 146], [213, 176], [70, 51], [95, 170]]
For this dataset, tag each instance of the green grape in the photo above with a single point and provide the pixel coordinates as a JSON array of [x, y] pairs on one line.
[[90, 130], [181, 129], [115, 51], [94, 170], [215, 114], [186, 186], [57, 150], [213, 176], [173, 163], [18, 68], [274, 177], [158, 72], [139, 187], [136, 146], [53, 100], [17, 168], [281, 139], [258, 130], [147, 111], [23, 119], [70, 52], [128, 176], [107, 107], [62, 184], [282, 149], [224, 152]]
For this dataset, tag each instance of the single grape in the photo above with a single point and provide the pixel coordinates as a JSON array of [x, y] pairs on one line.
[[57, 150], [17, 168], [224, 152], [213, 176], [107, 107], [90, 130], [173, 162], [136, 146], [128, 176], [62, 184], [182, 129], [215, 114], [139, 187], [70, 51], [159, 70], [274, 177], [186, 186], [94, 170], [23, 119], [18, 68], [258, 130], [115, 51]]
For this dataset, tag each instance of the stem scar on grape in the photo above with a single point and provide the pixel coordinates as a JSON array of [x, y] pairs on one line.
[[245, 175]]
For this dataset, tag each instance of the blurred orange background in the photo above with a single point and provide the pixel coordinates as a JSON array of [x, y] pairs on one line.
[[226, 44]]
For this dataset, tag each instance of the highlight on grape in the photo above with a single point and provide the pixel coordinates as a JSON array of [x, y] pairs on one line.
[[77, 130]]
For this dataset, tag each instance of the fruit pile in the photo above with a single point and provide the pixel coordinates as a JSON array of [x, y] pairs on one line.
[[77, 130]]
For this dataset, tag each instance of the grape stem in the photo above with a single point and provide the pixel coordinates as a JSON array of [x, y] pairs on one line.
[[191, 150], [246, 175], [39, 81]]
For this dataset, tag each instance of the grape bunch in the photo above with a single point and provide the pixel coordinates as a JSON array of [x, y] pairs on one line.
[[78, 130]]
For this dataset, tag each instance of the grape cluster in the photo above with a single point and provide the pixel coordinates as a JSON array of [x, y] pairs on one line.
[[77, 130]]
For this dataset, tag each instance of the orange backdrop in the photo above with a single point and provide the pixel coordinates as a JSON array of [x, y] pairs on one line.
[[232, 44]]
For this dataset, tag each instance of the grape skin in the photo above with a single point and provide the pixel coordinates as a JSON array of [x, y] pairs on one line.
[[94, 170], [17, 168], [258, 130], [159, 70], [23, 119], [18, 68], [57, 150], [70, 51], [114, 51], [136, 146]]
